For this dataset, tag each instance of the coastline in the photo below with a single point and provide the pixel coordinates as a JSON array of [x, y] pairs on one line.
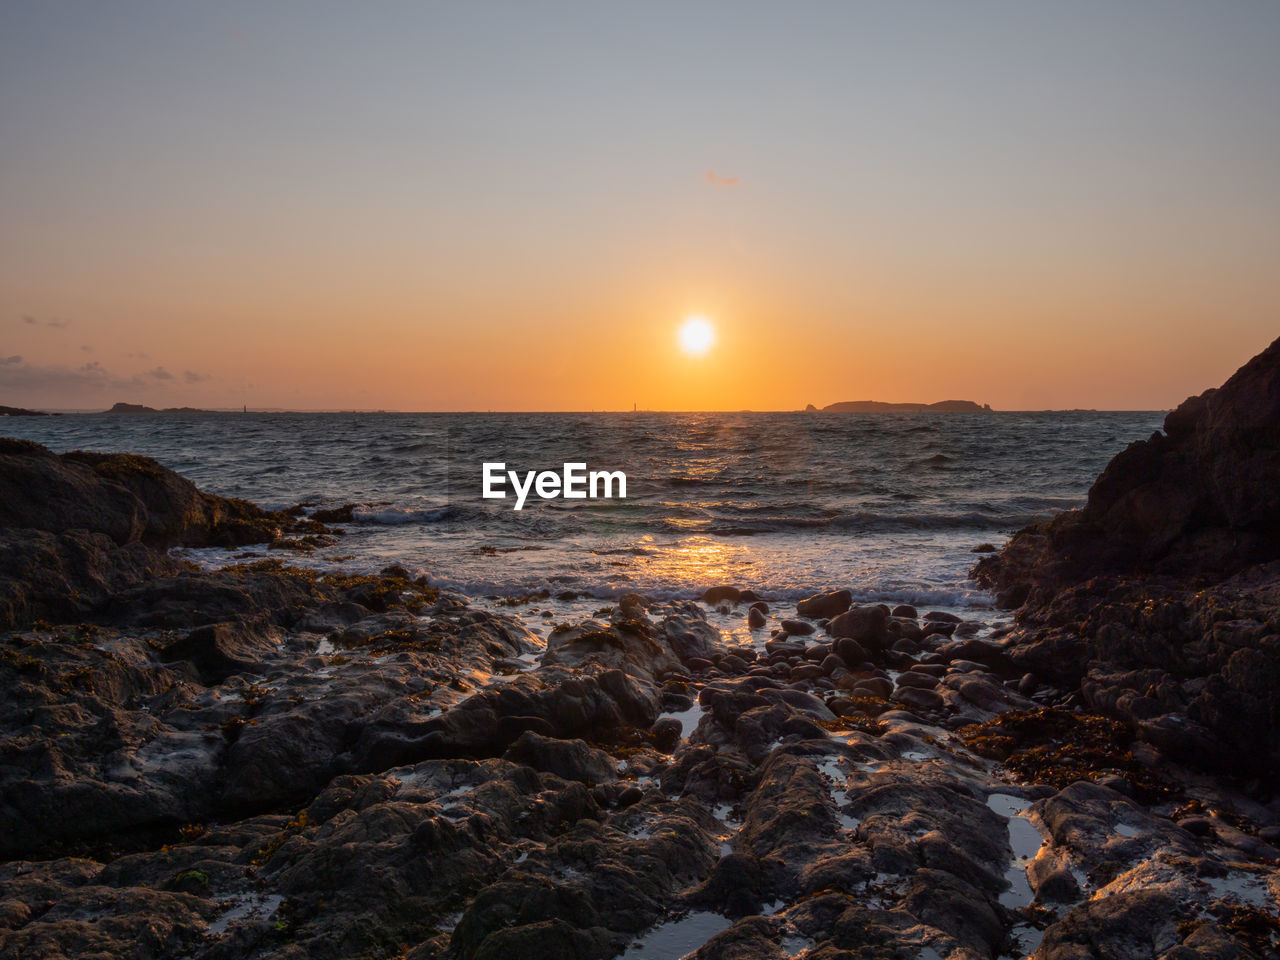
[[199, 760]]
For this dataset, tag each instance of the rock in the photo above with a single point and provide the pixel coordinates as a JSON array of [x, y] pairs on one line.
[[1198, 499], [798, 628], [921, 681], [221, 649], [905, 610], [713, 596], [939, 616], [128, 498], [755, 618], [865, 625], [918, 699], [825, 604], [831, 663], [974, 649], [850, 651], [570, 759], [690, 636]]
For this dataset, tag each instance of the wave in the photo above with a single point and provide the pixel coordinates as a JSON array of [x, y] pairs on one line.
[[397, 516], [861, 523]]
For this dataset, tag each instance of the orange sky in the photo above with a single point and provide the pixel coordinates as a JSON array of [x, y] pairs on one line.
[[438, 209]]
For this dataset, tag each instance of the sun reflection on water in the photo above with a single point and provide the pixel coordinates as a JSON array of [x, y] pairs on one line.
[[700, 561]]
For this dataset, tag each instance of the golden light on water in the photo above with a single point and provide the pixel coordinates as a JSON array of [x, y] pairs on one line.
[[701, 561], [696, 335]]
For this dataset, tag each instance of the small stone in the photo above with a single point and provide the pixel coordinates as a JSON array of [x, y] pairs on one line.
[[798, 628]]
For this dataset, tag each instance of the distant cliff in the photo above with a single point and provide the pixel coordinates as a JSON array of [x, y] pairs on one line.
[[877, 406]]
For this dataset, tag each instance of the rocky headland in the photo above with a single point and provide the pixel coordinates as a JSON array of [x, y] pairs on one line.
[[22, 412], [271, 761]]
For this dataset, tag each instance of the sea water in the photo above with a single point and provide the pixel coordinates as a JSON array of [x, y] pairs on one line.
[[890, 506]]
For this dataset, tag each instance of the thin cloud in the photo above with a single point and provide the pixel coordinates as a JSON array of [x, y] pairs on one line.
[[190, 376], [55, 323], [17, 376], [716, 180], [92, 376]]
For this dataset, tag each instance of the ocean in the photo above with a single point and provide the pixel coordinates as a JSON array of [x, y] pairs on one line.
[[890, 506]]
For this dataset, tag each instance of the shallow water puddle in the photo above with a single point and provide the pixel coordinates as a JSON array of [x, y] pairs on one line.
[[249, 906], [833, 769], [688, 719], [1024, 840], [849, 823], [677, 938], [793, 945], [1249, 889]]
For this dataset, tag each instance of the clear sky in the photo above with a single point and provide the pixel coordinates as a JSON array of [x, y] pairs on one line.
[[473, 205]]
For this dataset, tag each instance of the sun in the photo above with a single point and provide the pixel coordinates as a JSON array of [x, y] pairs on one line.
[[696, 335]]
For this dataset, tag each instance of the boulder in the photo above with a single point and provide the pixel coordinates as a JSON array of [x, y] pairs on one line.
[[822, 605], [868, 626]]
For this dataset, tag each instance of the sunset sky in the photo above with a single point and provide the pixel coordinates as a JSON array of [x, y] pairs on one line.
[[515, 206]]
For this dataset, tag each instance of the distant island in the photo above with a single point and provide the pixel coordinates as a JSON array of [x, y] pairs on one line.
[[140, 408], [877, 406], [20, 412]]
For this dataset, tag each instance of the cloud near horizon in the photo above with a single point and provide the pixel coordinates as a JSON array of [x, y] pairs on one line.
[[20, 379], [55, 323], [717, 180]]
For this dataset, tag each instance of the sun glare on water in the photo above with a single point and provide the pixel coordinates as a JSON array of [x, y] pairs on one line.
[[696, 336]]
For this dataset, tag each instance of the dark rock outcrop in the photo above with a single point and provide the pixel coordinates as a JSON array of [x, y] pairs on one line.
[[80, 528], [1201, 499], [1159, 600]]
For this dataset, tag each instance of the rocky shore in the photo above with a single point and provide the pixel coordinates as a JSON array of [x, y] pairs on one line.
[[270, 761]]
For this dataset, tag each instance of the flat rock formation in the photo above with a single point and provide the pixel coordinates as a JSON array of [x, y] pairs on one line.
[[877, 406]]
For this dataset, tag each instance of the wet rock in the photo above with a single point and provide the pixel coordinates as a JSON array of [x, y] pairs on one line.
[[939, 616], [905, 610], [850, 651], [740, 885], [631, 646], [865, 625], [918, 699], [798, 628], [713, 596], [825, 604], [570, 759], [755, 618], [221, 649], [690, 636]]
